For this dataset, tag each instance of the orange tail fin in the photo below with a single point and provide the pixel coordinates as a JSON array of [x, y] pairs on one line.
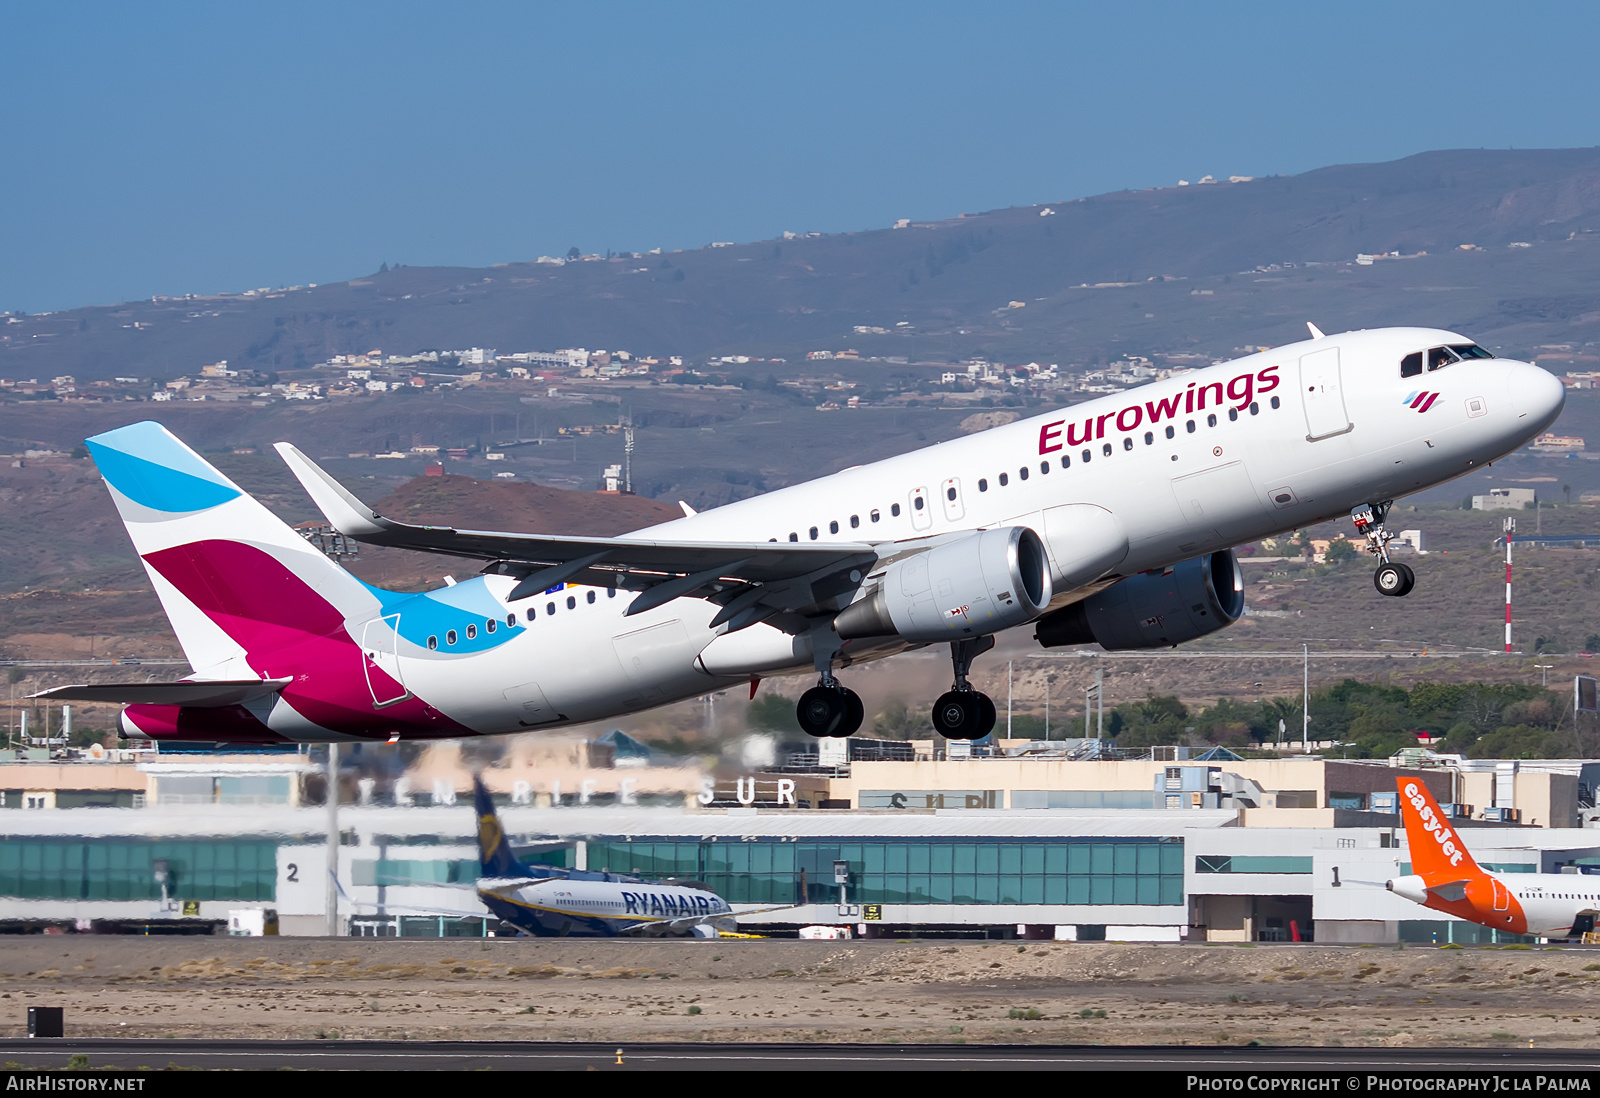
[[1437, 852]]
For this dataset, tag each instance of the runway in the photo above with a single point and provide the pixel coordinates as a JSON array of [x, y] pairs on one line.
[[574, 1056]]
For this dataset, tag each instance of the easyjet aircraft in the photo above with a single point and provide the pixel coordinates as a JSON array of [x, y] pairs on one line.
[[1445, 878], [1110, 522]]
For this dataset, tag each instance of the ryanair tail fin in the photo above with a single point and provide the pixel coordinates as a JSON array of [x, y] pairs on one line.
[[1437, 853], [494, 851]]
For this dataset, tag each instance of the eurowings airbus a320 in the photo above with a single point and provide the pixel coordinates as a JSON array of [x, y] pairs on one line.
[[1109, 522]]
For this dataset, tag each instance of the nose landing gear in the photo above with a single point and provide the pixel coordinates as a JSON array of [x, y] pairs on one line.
[[963, 713], [1392, 579]]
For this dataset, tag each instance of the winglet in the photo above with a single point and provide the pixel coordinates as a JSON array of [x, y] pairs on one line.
[[688, 512], [1316, 332], [345, 512], [1438, 855]]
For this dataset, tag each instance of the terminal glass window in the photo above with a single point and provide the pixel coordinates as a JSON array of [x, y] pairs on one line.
[[1146, 872], [399, 872], [118, 869], [1221, 863]]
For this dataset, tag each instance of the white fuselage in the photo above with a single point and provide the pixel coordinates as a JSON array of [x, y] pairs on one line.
[[557, 905], [1552, 902], [1300, 434]]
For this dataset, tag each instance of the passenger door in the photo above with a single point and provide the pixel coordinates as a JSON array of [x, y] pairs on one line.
[[380, 643], [1322, 395]]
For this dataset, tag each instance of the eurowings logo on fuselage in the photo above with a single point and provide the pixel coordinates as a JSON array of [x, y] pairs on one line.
[[1420, 400]]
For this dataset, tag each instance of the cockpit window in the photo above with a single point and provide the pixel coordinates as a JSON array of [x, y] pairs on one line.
[[1411, 365], [1440, 357], [1470, 350]]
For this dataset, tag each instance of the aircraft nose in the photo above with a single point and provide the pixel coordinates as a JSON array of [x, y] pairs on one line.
[[1537, 394]]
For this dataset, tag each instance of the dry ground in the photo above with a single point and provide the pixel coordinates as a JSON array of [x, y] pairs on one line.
[[510, 989]]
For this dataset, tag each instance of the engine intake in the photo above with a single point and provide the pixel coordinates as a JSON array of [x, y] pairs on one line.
[[979, 584], [1153, 609]]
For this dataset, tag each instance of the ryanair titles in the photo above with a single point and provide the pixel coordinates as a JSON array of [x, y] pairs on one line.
[[669, 905]]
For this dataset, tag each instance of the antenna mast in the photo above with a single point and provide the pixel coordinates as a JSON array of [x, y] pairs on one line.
[[627, 453], [1511, 528]]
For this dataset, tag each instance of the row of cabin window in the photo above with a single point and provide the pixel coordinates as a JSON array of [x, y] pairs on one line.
[[1044, 467], [491, 624]]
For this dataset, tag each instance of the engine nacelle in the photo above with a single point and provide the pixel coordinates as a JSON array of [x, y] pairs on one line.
[[1153, 609], [979, 584]]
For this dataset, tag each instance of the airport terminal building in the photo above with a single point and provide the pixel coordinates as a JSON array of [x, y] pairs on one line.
[[1151, 851]]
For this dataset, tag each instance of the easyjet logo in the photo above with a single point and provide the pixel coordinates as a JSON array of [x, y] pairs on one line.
[[1434, 826], [1420, 400]]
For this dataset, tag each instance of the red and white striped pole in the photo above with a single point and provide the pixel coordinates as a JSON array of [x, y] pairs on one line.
[[1511, 528]]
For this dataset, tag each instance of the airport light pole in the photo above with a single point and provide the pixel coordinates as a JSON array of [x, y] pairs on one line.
[[1008, 698], [1305, 700], [333, 840], [1510, 528]]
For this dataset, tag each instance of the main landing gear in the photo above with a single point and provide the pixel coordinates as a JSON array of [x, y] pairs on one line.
[[828, 709], [1391, 578], [963, 713]]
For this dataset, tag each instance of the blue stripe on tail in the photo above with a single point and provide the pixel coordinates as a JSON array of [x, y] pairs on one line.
[[145, 463]]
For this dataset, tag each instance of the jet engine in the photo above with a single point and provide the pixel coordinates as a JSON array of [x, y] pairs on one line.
[[1157, 609], [979, 584]]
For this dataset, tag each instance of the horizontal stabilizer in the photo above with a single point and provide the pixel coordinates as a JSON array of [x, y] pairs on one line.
[[202, 695], [1450, 890]]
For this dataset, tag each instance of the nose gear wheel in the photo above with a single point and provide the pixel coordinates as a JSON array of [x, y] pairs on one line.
[[1394, 580]]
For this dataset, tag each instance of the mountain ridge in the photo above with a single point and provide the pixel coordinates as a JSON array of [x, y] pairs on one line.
[[952, 281]]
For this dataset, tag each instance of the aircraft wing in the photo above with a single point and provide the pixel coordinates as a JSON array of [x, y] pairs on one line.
[[668, 569], [204, 695], [686, 921], [500, 885]]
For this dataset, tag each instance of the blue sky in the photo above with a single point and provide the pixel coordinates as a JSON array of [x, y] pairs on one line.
[[177, 148]]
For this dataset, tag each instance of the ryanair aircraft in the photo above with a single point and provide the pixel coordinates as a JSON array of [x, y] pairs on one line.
[[548, 901]]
